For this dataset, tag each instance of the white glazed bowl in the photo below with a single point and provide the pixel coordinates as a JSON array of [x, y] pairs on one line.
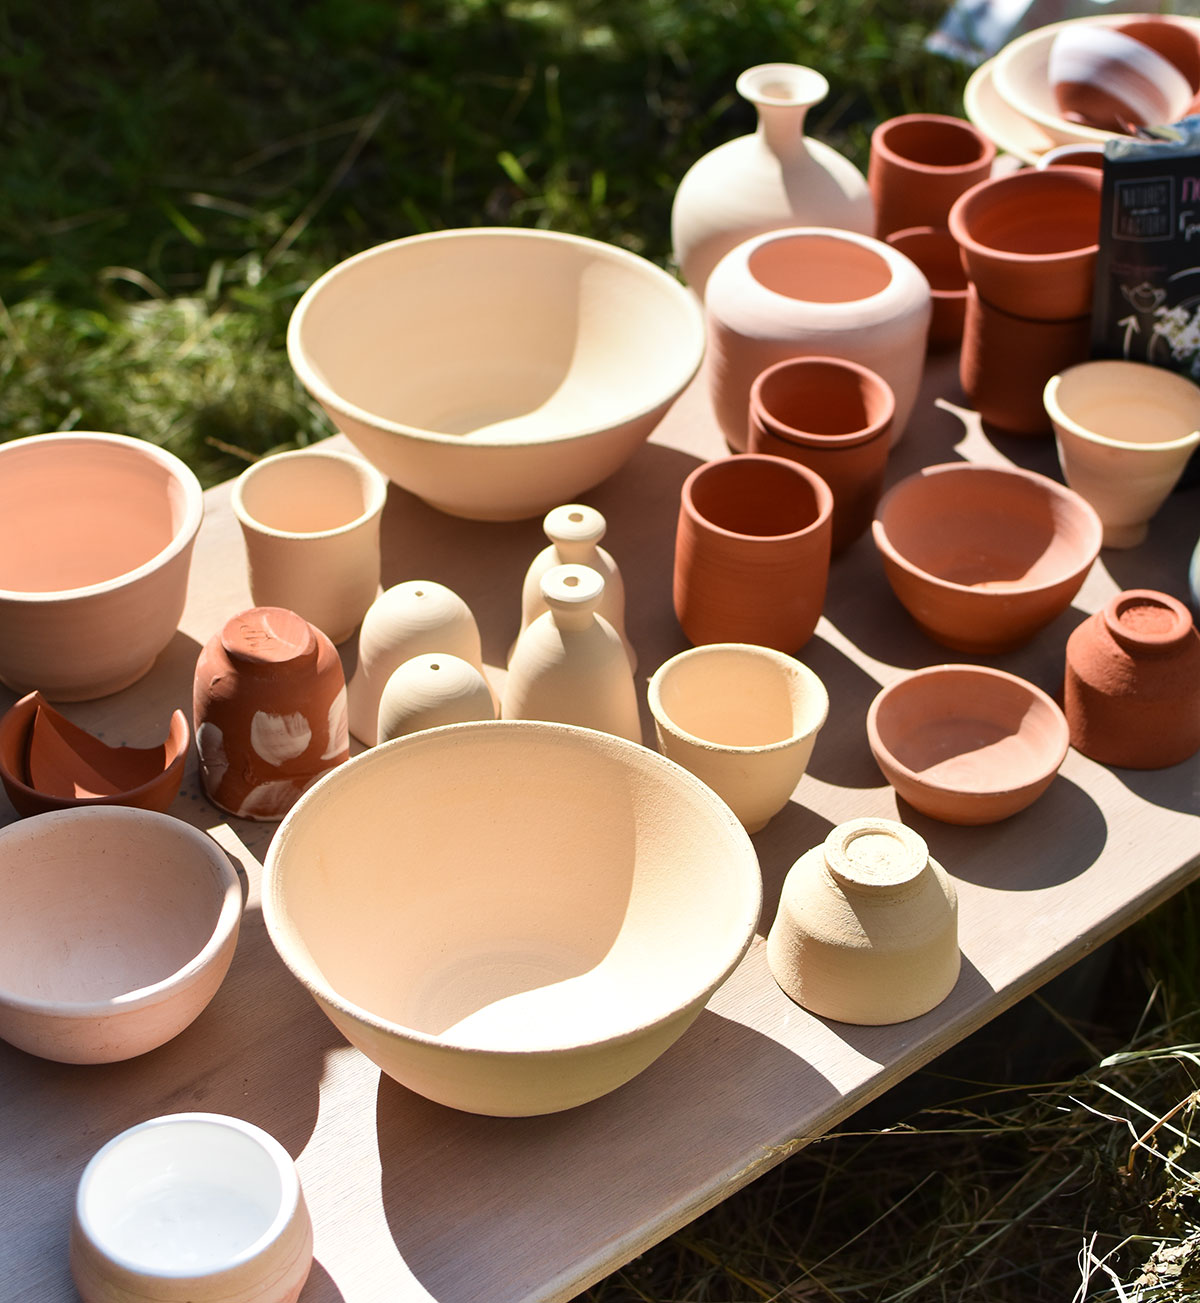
[[96, 534], [496, 372], [118, 927], [511, 917], [191, 1208]]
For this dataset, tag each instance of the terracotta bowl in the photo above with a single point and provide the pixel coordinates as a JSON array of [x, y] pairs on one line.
[[965, 743], [983, 557], [511, 917], [119, 926], [96, 534], [496, 372]]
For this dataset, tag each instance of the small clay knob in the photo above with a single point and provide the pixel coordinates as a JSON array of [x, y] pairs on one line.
[[574, 527], [572, 593]]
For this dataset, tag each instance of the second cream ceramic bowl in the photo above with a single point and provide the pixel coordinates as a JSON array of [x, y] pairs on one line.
[[511, 917], [496, 372]]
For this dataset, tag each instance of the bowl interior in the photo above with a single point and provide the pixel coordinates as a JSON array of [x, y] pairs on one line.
[[511, 886], [1128, 402], [312, 492], [756, 496], [498, 335], [1052, 211]]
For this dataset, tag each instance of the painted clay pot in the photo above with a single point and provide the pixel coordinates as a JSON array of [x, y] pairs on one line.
[[49, 763], [834, 417], [808, 291], [269, 707], [575, 532], [774, 178], [983, 557], [1029, 240], [867, 929], [431, 690], [1106, 78], [569, 666], [1006, 362], [966, 744], [935, 253], [1125, 431], [407, 620], [752, 552], [1132, 688], [744, 719], [919, 165]]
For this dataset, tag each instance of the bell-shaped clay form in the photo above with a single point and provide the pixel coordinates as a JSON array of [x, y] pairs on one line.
[[428, 691], [570, 666], [575, 532], [269, 705], [407, 620]]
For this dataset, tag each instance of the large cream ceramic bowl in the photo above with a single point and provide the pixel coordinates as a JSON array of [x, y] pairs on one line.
[[496, 372], [511, 917]]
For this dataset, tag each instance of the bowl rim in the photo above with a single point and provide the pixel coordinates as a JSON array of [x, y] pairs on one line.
[[297, 959], [1170, 379], [1012, 132], [670, 387], [951, 124], [1083, 508], [226, 926], [373, 479]]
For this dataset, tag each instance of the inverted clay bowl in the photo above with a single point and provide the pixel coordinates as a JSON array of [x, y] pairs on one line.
[[96, 534], [967, 744], [49, 763], [511, 917], [118, 929], [984, 557], [496, 372]]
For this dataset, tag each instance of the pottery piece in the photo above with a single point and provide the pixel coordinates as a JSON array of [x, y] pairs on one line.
[[1006, 361], [498, 943], [119, 926], [752, 551], [919, 164], [1029, 240], [774, 178], [49, 763], [431, 690], [269, 707], [1132, 689], [96, 535], [935, 252], [570, 665], [407, 620], [966, 744], [1073, 156], [1194, 578], [1011, 131], [191, 1208], [983, 557], [834, 417], [809, 291], [496, 414], [1104, 78], [867, 929], [744, 719], [1124, 431], [310, 520], [1177, 43], [575, 532]]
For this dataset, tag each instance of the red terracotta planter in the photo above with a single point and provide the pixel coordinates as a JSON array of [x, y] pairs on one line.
[[935, 252]]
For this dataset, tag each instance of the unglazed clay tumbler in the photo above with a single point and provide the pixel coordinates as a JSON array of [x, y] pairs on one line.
[[810, 291], [935, 252], [752, 551], [867, 929], [834, 417], [1124, 431], [310, 520], [432, 690], [1132, 690], [191, 1208], [742, 718], [269, 706]]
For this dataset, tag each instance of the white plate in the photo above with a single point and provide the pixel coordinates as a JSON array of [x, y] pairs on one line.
[[999, 121]]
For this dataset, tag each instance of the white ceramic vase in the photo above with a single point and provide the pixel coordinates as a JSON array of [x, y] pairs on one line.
[[431, 690]]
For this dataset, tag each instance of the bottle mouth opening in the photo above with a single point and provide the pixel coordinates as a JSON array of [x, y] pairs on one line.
[[782, 84]]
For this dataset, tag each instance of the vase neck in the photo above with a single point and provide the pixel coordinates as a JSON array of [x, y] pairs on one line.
[[572, 593], [782, 93]]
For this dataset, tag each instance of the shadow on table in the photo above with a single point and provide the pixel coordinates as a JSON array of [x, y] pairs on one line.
[[1176, 788], [320, 1287], [841, 756]]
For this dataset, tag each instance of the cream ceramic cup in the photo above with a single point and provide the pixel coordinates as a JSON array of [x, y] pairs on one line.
[[743, 719], [310, 520]]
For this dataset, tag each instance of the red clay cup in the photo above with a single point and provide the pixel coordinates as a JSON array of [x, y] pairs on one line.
[[935, 251], [833, 416], [752, 552]]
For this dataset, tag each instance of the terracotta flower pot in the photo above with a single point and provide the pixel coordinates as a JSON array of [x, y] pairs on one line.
[[812, 292], [919, 164], [1029, 240], [1132, 688], [752, 552], [935, 253], [834, 417]]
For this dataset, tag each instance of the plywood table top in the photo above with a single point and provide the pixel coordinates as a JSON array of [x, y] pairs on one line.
[[414, 1201]]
